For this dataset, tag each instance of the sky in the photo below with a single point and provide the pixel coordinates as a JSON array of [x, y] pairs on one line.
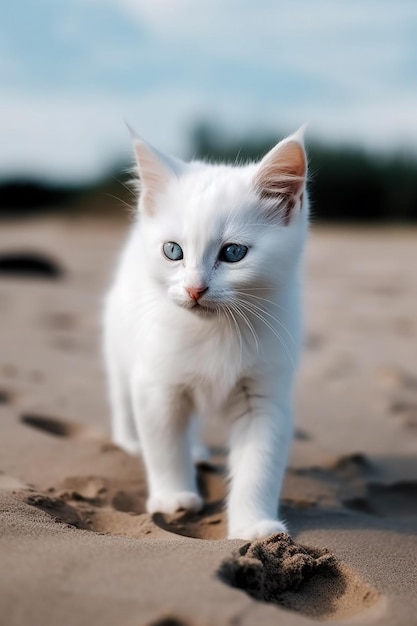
[[72, 72]]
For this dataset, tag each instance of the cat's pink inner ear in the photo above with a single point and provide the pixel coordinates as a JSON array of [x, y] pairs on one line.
[[282, 176], [154, 175]]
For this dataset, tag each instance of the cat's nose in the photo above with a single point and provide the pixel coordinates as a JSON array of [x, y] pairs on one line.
[[195, 293]]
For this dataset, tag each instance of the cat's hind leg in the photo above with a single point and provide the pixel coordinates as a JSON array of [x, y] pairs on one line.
[[123, 428], [199, 451]]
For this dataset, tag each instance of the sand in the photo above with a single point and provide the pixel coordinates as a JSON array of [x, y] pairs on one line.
[[76, 546]]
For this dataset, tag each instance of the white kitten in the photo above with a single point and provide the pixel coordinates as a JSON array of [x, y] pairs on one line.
[[203, 319]]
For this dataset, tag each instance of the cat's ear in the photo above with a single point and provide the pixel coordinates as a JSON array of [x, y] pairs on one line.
[[281, 176], [155, 171]]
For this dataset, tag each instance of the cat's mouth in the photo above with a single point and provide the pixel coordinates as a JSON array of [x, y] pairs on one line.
[[202, 310], [199, 309]]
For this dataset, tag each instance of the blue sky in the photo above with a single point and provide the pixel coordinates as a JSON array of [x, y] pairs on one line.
[[72, 72]]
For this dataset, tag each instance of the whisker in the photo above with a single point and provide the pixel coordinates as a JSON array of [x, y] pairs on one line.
[[248, 293], [271, 328], [250, 289], [239, 334], [248, 324], [129, 189], [129, 206], [276, 319]]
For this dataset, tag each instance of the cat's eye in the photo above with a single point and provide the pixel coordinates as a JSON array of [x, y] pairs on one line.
[[172, 251], [233, 252]]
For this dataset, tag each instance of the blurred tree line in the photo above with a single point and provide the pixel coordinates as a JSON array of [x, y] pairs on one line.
[[346, 184]]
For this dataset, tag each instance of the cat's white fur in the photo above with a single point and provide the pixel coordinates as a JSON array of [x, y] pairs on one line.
[[170, 361]]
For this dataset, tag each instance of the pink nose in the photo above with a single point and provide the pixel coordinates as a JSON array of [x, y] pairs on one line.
[[195, 293]]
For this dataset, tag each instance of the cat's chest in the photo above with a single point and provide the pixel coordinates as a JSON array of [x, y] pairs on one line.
[[207, 360]]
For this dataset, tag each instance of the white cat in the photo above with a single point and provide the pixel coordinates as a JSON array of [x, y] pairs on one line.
[[204, 318]]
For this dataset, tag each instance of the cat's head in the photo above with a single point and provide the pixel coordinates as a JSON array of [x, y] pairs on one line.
[[216, 235]]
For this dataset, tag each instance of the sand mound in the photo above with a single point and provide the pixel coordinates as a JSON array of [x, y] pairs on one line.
[[302, 578], [267, 568]]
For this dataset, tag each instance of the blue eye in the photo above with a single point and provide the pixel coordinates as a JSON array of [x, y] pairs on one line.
[[172, 251], [233, 252]]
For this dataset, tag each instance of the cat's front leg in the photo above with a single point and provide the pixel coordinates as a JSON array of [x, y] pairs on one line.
[[161, 415], [259, 448]]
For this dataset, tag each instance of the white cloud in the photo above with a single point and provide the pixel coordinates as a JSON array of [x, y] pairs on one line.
[[353, 48], [78, 138], [347, 68]]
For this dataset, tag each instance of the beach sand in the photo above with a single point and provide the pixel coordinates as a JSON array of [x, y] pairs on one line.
[[76, 546]]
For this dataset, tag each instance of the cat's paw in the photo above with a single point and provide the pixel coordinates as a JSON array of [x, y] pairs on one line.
[[259, 530], [172, 502]]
